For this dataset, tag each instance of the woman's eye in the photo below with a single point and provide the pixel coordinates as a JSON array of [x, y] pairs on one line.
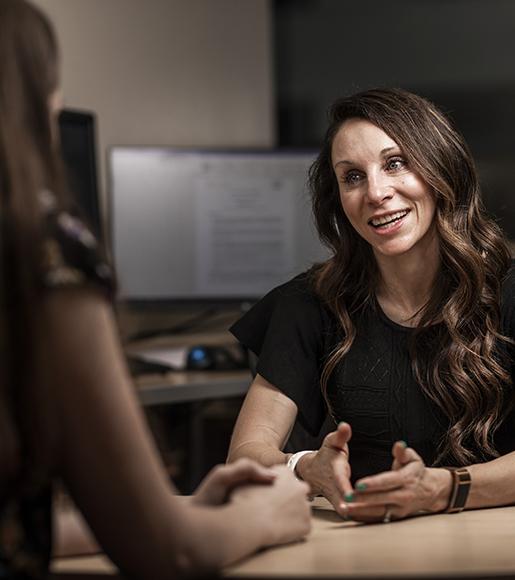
[[352, 178], [395, 163]]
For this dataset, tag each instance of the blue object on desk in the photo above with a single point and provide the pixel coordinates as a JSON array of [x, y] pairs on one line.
[[214, 358]]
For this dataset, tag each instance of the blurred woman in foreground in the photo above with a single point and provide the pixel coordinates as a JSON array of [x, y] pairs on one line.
[[66, 405]]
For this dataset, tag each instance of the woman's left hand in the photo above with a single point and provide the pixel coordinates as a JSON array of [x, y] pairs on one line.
[[409, 487], [218, 484]]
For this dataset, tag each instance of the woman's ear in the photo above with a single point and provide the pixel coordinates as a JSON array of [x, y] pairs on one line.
[[55, 105], [55, 102]]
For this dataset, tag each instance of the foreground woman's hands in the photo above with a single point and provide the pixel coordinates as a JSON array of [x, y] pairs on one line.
[[272, 498], [409, 487], [218, 484], [327, 471], [282, 508]]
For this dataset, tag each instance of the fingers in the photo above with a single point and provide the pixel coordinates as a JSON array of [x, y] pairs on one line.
[[397, 492], [284, 476], [337, 441], [402, 454], [341, 477], [221, 480], [244, 471], [398, 449], [403, 457], [339, 438]]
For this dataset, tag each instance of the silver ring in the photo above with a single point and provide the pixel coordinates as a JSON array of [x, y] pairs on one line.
[[387, 518]]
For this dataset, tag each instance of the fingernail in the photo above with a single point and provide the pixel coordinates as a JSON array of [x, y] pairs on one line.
[[361, 486], [403, 443], [349, 497], [342, 423]]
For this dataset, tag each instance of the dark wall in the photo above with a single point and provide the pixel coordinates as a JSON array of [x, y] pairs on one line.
[[459, 53]]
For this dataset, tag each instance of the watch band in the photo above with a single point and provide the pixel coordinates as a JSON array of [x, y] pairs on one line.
[[461, 482]]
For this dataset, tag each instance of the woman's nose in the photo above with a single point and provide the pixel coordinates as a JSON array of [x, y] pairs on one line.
[[378, 188]]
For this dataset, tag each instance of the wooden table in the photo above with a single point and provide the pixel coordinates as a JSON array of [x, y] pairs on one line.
[[472, 544], [476, 544]]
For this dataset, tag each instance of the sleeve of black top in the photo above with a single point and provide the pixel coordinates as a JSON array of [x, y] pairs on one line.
[[71, 256], [285, 331]]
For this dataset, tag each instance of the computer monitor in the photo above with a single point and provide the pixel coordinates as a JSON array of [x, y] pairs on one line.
[[78, 146], [209, 226]]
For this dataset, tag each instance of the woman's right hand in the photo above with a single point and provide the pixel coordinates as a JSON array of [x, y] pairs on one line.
[[281, 508], [328, 471]]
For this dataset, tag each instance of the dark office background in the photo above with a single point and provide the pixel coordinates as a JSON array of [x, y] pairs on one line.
[[458, 53]]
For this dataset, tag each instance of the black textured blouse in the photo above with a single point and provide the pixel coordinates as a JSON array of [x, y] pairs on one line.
[[373, 388]]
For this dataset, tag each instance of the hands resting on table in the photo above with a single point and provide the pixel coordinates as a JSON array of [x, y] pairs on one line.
[[276, 498], [409, 487]]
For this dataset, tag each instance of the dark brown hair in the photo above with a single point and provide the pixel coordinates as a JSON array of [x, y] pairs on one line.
[[29, 163], [454, 349]]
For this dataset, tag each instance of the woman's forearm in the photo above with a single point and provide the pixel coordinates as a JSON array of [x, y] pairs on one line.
[[263, 453], [492, 483]]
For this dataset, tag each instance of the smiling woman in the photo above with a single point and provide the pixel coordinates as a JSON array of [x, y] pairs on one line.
[[404, 334], [386, 202]]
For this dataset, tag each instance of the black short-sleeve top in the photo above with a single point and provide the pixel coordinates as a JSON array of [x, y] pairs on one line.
[[373, 388], [70, 257]]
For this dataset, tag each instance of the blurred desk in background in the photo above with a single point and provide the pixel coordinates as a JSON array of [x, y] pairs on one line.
[[196, 389], [190, 386]]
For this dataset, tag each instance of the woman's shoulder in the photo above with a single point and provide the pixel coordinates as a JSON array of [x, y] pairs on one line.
[[288, 309], [300, 288]]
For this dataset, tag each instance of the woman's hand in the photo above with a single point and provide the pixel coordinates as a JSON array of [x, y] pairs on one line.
[[281, 510], [410, 487], [218, 484], [328, 470]]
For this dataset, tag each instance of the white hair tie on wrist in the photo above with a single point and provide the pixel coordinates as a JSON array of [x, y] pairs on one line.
[[294, 459]]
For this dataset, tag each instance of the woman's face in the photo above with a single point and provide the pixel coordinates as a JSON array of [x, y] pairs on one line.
[[387, 203]]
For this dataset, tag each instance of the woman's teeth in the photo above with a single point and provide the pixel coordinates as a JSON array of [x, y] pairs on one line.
[[388, 219]]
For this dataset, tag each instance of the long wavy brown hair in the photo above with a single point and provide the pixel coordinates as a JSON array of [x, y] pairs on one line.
[[455, 347], [29, 163]]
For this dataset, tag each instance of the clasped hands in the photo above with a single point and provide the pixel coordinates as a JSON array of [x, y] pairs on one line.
[[270, 495], [408, 488]]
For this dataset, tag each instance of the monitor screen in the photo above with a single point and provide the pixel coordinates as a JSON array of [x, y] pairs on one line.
[[209, 225], [77, 134]]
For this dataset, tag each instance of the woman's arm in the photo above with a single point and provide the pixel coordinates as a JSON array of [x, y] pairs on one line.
[[109, 464], [492, 482], [264, 424]]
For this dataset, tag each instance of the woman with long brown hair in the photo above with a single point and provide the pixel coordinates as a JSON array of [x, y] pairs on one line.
[[67, 409], [404, 335]]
